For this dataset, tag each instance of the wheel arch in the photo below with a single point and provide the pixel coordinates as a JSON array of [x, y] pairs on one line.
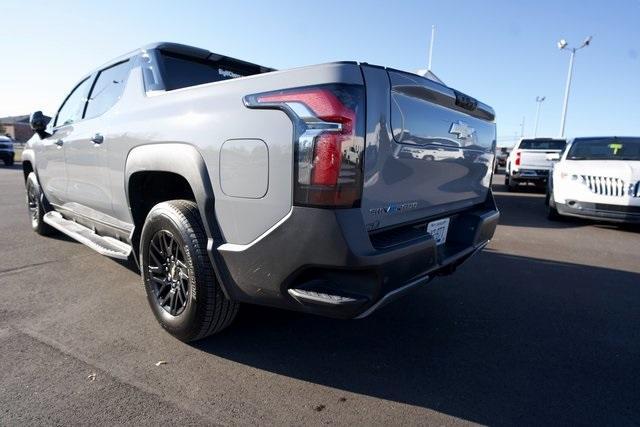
[[182, 160], [186, 162], [28, 163]]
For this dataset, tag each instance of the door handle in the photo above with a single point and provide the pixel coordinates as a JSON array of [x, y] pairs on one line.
[[59, 143], [97, 139]]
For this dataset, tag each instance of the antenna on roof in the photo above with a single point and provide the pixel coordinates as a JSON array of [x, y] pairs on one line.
[[433, 36], [426, 72]]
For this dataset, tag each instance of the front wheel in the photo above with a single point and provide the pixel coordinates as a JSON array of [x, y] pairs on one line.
[[181, 286], [35, 207], [552, 211]]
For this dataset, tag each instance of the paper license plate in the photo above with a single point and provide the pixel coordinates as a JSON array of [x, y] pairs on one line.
[[438, 229]]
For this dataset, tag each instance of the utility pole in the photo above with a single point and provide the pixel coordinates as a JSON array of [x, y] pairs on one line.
[[433, 36], [539, 101], [562, 44]]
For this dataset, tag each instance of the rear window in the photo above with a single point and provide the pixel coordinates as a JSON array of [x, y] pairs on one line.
[[605, 149], [542, 144], [179, 71]]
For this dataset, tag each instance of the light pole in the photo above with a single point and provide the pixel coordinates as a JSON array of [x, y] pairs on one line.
[[539, 101], [562, 45]]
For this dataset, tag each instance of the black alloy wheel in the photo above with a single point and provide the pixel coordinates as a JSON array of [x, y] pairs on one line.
[[168, 273], [35, 207]]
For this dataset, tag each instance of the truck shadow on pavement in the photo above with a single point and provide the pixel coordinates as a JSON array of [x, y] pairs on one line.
[[529, 210], [525, 207], [507, 339]]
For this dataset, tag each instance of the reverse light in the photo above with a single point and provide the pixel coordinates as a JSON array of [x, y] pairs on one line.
[[328, 141]]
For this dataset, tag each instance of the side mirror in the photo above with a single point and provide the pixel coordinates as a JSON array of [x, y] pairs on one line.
[[554, 157], [38, 123]]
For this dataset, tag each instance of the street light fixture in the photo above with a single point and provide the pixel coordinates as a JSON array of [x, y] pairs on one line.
[[539, 101], [562, 45]]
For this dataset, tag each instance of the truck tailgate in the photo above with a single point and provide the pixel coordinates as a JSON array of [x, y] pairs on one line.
[[429, 149], [536, 159]]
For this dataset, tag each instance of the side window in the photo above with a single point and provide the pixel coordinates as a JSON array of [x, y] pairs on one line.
[[150, 72], [73, 106], [108, 89]]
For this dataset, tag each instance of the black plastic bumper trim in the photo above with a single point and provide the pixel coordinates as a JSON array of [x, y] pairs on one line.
[[330, 252], [599, 212]]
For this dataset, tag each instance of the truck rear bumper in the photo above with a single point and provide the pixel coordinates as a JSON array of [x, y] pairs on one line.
[[530, 175], [600, 211], [325, 262]]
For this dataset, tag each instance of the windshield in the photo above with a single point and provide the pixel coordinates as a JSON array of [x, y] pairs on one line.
[[542, 144], [605, 149]]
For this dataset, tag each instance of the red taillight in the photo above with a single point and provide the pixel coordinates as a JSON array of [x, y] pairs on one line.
[[518, 158], [328, 159], [329, 141], [323, 102]]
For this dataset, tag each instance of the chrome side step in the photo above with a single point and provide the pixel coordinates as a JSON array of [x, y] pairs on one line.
[[104, 245]]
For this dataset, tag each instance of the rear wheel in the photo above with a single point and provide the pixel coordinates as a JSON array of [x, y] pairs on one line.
[[35, 207], [511, 183], [181, 286], [9, 162]]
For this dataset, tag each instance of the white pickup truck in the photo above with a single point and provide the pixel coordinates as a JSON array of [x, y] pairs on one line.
[[528, 161]]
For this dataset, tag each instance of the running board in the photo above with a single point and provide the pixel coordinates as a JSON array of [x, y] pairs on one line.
[[104, 245]]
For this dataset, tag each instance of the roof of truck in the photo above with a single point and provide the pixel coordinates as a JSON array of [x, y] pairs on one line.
[[180, 49]]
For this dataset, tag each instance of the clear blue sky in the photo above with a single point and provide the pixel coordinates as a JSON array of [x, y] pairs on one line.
[[502, 52]]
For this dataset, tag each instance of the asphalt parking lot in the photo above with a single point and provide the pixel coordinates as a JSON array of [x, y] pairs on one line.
[[543, 327]]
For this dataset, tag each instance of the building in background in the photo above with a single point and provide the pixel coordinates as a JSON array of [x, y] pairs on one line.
[[16, 127]]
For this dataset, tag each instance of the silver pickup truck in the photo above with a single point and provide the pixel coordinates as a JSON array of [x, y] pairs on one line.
[[228, 182]]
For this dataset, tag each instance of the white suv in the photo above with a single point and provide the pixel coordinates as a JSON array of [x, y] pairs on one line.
[[597, 178]]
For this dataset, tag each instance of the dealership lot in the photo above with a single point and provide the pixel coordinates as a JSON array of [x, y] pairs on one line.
[[543, 326]]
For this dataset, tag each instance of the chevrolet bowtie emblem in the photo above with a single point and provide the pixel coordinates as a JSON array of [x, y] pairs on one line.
[[461, 130]]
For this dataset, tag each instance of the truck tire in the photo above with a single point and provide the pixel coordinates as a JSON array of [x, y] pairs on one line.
[[511, 183], [179, 279], [9, 162], [35, 207]]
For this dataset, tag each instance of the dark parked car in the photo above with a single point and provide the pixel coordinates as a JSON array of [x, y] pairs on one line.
[[501, 156], [6, 150]]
